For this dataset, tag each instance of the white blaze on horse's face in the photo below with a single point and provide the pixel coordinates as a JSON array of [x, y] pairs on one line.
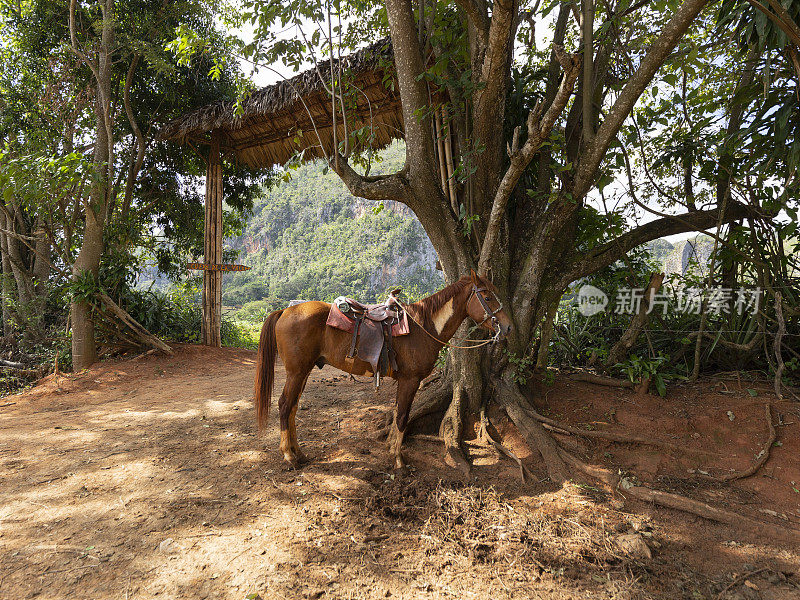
[[442, 316]]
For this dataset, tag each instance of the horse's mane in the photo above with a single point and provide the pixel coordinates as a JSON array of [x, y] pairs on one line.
[[428, 307]]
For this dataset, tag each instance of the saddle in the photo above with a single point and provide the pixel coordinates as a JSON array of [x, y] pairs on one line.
[[372, 327]]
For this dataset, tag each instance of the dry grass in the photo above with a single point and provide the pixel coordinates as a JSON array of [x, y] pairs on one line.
[[469, 532]]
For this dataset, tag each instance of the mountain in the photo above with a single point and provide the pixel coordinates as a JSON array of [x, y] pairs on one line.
[[309, 238]]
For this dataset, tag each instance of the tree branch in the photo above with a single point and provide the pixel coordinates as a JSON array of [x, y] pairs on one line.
[[638, 82], [380, 187], [478, 17], [539, 128], [693, 221], [140, 144]]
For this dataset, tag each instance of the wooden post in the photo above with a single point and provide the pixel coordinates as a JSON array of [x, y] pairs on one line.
[[212, 248], [437, 124], [448, 154]]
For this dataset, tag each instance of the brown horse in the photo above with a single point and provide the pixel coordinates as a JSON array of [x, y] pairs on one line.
[[302, 339]]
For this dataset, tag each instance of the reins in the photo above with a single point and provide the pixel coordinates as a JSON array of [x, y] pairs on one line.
[[491, 340]]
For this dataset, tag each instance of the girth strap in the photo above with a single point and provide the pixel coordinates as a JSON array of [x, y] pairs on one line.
[[358, 319]]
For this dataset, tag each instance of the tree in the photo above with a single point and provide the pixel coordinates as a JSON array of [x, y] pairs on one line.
[[81, 163], [533, 133]]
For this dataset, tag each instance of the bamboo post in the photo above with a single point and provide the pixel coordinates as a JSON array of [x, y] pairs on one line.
[[212, 248], [437, 122], [448, 153]]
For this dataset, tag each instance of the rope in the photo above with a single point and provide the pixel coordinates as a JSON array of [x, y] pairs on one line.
[[447, 344]]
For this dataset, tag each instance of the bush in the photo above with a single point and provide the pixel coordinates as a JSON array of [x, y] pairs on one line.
[[177, 316]]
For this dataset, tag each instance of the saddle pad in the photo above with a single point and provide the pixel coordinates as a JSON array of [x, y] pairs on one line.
[[338, 320]]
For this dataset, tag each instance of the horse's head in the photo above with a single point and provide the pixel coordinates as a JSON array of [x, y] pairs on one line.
[[485, 308]]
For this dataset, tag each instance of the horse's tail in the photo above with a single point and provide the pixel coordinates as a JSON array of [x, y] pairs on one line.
[[265, 368]]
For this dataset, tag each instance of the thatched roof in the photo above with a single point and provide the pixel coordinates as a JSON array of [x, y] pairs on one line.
[[295, 114]]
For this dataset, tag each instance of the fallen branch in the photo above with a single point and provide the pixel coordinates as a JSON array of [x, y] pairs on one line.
[[141, 333], [637, 324], [11, 364], [600, 380], [675, 501]]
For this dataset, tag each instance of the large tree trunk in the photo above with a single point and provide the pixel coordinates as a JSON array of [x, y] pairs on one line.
[[87, 264], [84, 347], [8, 287]]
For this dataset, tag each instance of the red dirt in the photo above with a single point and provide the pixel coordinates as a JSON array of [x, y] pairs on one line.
[[144, 478]]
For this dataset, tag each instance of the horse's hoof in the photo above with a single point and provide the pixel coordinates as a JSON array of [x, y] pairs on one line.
[[400, 466], [292, 464]]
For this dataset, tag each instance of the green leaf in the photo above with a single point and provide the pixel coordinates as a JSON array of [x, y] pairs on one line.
[[660, 386]]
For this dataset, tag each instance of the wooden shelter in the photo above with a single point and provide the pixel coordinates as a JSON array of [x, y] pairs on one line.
[[295, 115], [292, 118]]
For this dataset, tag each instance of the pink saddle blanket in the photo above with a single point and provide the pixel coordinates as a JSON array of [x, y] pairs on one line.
[[338, 320]]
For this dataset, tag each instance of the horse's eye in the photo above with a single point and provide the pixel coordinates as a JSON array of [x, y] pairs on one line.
[[487, 298]]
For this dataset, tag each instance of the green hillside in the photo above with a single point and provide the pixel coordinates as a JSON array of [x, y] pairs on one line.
[[308, 238]]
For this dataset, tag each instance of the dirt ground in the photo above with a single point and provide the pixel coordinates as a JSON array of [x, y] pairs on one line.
[[144, 478]]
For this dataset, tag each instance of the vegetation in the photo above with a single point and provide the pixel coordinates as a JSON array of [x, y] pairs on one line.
[[310, 239], [88, 194]]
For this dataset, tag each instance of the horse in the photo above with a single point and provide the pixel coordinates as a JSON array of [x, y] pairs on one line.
[[300, 336]]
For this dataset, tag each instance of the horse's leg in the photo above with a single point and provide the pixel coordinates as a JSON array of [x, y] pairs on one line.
[[287, 405], [406, 390], [301, 457]]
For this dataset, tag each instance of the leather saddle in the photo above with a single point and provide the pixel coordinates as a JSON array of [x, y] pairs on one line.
[[372, 327]]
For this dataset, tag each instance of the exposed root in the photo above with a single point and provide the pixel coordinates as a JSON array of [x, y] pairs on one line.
[[600, 379], [557, 427], [528, 423], [512, 400], [762, 457], [676, 501], [487, 437], [434, 398], [450, 431]]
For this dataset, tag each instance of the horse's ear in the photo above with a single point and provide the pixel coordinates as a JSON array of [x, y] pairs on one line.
[[473, 276]]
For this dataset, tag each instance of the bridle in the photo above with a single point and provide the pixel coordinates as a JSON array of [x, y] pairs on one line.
[[488, 313]]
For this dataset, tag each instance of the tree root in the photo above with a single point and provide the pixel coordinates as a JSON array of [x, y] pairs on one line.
[[512, 400], [434, 398], [762, 458], [676, 501], [484, 435], [557, 427], [450, 431], [600, 380], [556, 459]]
